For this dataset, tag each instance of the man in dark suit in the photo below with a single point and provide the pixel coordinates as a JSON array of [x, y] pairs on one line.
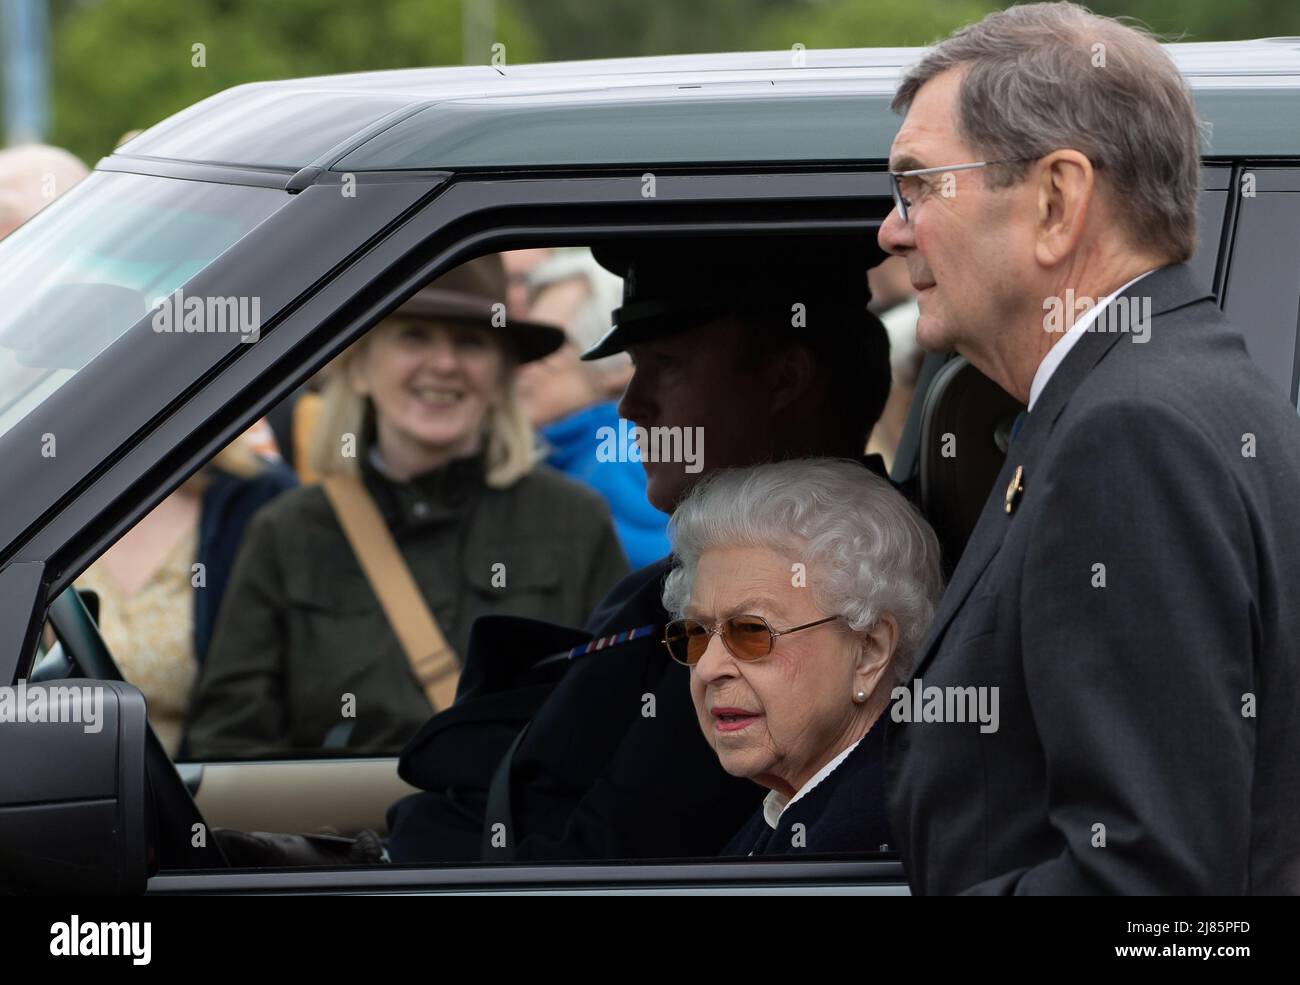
[[766, 351], [1128, 605]]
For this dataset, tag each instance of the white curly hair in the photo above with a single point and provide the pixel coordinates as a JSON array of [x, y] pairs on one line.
[[866, 550]]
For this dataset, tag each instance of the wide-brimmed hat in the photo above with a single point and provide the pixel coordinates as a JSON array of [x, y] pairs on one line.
[[471, 293], [671, 286]]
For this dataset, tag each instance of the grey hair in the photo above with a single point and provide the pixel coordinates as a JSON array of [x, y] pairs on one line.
[[592, 318], [1033, 84], [865, 549]]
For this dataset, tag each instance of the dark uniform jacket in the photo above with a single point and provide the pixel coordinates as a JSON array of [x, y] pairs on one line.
[[843, 814], [301, 634], [1138, 610]]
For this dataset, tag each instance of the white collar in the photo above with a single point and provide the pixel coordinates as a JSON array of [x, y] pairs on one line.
[[774, 805], [1057, 353]]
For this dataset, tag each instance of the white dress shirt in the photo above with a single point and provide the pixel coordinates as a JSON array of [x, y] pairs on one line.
[[1057, 353]]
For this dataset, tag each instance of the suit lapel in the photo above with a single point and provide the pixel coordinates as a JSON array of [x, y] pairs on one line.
[[1169, 288], [984, 542]]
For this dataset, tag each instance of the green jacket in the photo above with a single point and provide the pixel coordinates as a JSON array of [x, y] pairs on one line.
[[303, 659]]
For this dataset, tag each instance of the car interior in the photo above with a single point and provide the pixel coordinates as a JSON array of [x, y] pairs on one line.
[[953, 406]]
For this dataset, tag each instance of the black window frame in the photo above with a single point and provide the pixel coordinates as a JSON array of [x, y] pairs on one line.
[[470, 214]]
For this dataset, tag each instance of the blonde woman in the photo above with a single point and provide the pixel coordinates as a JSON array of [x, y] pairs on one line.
[[423, 411], [161, 584]]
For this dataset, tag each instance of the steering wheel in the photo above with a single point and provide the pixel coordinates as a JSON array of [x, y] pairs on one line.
[[177, 812]]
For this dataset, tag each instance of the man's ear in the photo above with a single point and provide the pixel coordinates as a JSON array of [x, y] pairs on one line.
[[791, 373], [879, 641], [1065, 191]]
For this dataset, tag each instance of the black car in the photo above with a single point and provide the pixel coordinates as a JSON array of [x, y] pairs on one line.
[[329, 201]]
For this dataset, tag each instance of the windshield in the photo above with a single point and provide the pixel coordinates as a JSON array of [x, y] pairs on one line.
[[82, 272]]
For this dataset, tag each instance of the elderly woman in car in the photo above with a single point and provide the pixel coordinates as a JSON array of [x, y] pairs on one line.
[[802, 591]]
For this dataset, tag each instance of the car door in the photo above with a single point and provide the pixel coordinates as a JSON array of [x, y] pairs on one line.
[[336, 279], [91, 369]]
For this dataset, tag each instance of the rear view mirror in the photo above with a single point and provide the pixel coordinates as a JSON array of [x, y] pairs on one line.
[[74, 812]]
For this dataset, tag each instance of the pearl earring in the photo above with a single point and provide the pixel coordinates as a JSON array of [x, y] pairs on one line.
[[860, 697]]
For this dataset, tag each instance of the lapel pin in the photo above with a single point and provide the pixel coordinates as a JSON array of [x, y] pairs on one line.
[[1015, 488]]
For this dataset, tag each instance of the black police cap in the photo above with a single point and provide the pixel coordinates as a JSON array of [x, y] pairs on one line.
[[671, 286]]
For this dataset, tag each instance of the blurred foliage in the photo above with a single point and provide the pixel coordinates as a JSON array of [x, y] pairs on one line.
[[124, 64], [121, 65]]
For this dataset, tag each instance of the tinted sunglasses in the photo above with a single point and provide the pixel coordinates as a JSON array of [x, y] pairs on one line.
[[745, 637]]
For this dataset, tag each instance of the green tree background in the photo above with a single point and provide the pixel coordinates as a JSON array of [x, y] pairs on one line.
[[120, 65]]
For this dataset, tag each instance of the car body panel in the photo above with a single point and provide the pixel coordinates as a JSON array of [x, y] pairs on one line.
[[781, 106], [777, 876], [1266, 254]]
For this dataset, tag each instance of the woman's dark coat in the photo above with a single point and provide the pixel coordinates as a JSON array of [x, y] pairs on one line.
[[303, 658]]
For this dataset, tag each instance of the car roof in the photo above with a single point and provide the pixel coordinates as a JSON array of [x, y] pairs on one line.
[[664, 110]]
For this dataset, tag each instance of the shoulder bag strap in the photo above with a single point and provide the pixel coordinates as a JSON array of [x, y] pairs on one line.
[[431, 657]]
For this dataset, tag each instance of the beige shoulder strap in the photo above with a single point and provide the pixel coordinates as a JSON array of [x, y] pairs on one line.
[[430, 655]]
